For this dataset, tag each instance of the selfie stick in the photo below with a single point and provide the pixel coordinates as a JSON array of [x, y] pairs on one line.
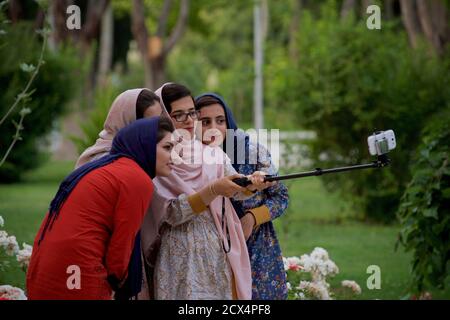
[[382, 161]]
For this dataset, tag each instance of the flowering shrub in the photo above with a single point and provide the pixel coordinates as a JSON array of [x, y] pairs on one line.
[[352, 285], [11, 293], [23, 256], [10, 247], [310, 273]]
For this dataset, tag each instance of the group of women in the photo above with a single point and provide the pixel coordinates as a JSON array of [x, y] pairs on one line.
[[143, 216]]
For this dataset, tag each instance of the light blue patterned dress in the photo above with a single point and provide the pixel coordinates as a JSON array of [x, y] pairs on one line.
[[269, 277]]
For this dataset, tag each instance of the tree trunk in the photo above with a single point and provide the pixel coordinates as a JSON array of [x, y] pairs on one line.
[[158, 71], [155, 49], [140, 34], [106, 46], [364, 5], [389, 9], [433, 19], [90, 29], [58, 21], [39, 20], [347, 7], [441, 17], [15, 11], [88, 34], [163, 18], [179, 28], [410, 20]]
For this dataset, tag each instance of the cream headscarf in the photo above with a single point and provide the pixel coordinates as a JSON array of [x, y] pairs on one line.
[[121, 114]]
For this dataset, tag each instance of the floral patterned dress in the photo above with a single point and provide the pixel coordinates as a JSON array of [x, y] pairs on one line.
[[268, 275], [191, 263]]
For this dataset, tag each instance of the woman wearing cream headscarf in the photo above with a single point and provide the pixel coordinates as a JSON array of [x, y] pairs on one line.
[[127, 107], [192, 239]]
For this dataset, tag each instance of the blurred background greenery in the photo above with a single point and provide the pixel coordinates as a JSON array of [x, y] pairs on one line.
[[324, 71]]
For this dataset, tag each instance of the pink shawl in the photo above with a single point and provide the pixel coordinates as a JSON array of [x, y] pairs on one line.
[[121, 114], [187, 178]]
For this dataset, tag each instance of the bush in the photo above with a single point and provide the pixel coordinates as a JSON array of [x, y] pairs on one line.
[[91, 126], [54, 86], [348, 82], [424, 207], [10, 248], [308, 275]]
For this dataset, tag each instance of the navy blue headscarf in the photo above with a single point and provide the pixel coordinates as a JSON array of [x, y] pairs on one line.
[[239, 138], [239, 135], [137, 142]]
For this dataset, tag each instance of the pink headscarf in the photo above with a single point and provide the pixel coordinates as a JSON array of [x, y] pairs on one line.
[[187, 178], [121, 114]]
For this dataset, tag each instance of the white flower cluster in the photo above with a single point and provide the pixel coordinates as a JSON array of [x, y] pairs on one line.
[[319, 266], [352, 285], [24, 255], [8, 243], [11, 247], [318, 290], [11, 293], [292, 263]]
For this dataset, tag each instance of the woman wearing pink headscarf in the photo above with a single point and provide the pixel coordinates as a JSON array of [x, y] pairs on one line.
[[128, 107], [192, 239]]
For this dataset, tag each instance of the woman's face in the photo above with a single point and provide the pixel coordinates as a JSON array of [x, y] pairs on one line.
[[180, 108], [214, 124], [153, 111], [163, 159]]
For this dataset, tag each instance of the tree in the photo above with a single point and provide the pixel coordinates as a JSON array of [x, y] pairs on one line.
[[106, 45], [15, 11], [434, 17], [293, 30], [348, 82], [156, 47], [428, 18], [36, 93], [85, 37], [88, 32], [389, 9], [410, 20], [347, 7]]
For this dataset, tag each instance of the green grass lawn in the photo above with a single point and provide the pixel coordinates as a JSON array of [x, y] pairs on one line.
[[316, 218], [24, 205]]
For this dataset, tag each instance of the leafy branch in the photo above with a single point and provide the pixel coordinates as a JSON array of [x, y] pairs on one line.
[[26, 93]]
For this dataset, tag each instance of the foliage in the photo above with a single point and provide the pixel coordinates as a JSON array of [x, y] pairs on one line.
[[53, 87], [219, 58], [424, 207], [10, 247], [349, 81], [91, 126]]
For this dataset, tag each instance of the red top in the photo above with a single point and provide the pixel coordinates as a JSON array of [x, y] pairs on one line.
[[93, 236]]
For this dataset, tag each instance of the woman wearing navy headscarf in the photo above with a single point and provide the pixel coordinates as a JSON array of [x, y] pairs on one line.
[[89, 243], [256, 213]]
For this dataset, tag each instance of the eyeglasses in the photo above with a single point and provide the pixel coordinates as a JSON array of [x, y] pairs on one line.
[[181, 117]]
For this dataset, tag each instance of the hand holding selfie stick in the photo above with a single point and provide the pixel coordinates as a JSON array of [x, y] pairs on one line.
[[380, 143]]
